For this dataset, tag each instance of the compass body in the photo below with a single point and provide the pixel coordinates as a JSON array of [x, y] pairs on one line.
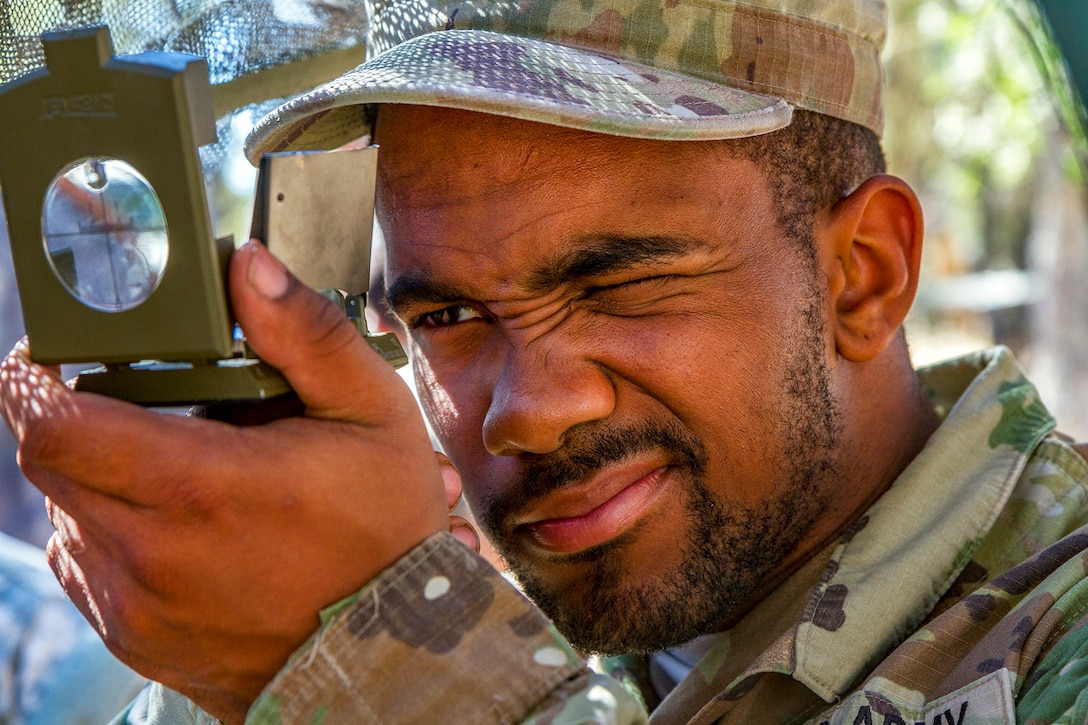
[[103, 190]]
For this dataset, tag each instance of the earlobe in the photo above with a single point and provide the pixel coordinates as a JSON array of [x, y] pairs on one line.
[[872, 246]]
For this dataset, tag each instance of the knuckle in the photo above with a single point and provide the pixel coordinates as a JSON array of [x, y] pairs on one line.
[[140, 561], [59, 561]]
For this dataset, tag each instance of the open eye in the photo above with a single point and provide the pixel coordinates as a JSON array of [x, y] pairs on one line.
[[447, 316]]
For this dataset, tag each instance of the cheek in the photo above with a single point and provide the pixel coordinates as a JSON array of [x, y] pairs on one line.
[[434, 398], [716, 358], [721, 375], [455, 404]]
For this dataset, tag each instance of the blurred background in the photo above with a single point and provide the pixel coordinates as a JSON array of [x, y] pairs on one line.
[[985, 125], [982, 122]]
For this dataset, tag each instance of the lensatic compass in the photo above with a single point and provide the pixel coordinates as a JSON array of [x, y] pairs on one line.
[[105, 234], [111, 235]]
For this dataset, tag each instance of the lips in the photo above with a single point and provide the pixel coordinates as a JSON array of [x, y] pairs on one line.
[[587, 515]]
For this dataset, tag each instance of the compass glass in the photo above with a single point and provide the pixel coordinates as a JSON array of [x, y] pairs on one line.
[[105, 233]]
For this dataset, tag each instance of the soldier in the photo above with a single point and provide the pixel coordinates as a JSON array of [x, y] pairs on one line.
[[654, 280]]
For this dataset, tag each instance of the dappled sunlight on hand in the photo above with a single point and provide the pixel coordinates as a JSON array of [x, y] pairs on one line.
[[66, 527], [63, 547], [29, 392]]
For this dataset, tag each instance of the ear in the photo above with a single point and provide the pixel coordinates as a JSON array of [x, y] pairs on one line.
[[871, 248]]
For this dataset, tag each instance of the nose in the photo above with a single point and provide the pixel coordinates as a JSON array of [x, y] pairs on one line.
[[540, 395]]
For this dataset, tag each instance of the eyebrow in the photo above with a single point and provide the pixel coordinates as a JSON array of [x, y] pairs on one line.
[[595, 256], [418, 288]]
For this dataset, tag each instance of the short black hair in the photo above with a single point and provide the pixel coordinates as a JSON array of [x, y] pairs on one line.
[[812, 164]]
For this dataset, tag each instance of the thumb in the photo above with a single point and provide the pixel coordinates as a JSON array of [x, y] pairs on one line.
[[311, 342]]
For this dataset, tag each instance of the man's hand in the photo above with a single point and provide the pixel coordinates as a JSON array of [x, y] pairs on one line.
[[202, 551]]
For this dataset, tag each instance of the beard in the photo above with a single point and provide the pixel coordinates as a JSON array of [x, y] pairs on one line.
[[726, 552]]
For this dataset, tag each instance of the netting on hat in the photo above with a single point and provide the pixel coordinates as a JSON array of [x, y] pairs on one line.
[[258, 51]]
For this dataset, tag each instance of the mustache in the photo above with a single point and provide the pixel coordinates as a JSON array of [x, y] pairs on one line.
[[586, 449]]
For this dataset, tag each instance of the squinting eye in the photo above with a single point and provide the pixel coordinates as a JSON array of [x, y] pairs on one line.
[[447, 316]]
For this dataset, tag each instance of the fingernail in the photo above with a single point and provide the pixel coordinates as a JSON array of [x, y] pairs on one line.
[[467, 536], [266, 275]]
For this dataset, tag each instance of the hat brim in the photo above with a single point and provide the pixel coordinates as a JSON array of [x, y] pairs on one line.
[[520, 78]]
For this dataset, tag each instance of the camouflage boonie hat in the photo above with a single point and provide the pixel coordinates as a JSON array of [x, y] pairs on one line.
[[658, 69]]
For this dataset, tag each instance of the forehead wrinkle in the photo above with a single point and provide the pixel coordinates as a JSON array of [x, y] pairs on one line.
[[421, 188]]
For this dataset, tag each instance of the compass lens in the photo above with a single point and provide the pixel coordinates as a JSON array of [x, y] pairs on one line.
[[105, 234]]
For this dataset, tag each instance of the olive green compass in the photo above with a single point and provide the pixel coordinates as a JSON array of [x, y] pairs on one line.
[[111, 236]]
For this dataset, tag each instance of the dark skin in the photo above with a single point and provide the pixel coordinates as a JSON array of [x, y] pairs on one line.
[[519, 351], [532, 321]]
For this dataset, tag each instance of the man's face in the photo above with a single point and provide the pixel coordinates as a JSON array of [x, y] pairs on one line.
[[624, 356]]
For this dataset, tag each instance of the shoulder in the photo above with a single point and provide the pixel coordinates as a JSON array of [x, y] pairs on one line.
[[1048, 503]]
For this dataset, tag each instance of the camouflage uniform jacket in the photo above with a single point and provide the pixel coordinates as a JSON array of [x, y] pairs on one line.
[[960, 598]]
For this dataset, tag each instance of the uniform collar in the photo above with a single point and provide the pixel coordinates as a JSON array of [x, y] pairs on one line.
[[837, 616], [904, 554]]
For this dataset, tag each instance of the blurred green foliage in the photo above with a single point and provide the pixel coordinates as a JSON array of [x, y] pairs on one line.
[[976, 94]]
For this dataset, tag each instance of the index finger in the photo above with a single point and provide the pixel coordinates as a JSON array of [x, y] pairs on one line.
[[28, 389], [90, 440]]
